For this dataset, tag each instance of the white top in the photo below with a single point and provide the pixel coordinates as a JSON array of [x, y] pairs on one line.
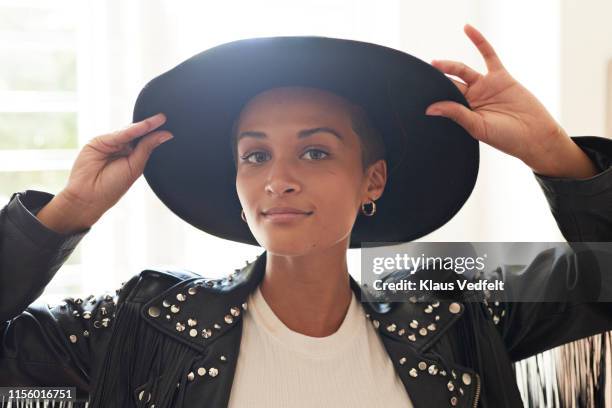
[[278, 367]]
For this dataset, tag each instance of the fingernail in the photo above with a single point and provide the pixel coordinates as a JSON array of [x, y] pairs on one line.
[[159, 116], [433, 112], [164, 138]]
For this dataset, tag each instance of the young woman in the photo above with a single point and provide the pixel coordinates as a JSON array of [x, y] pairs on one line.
[[310, 174]]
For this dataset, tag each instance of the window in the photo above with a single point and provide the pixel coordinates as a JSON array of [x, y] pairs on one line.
[[39, 101]]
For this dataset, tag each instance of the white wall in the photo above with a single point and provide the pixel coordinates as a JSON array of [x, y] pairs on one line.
[[586, 48]]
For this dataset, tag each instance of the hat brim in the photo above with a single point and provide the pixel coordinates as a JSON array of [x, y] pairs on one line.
[[432, 161]]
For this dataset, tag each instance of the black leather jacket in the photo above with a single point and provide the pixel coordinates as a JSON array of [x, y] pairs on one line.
[[172, 337]]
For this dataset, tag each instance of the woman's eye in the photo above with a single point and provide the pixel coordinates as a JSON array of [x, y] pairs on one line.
[[254, 154], [317, 155]]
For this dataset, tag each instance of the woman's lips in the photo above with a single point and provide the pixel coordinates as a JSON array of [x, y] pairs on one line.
[[285, 216]]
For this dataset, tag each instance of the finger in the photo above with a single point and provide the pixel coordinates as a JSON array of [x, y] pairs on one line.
[[460, 85], [486, 49], [125, 150], [135, 130], [459, 113], [140, 155], [459, 69]]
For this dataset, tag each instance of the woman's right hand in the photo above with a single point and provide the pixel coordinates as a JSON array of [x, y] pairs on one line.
[[104, 170]]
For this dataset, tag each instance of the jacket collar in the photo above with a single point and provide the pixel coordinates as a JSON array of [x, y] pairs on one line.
[[198, 311]]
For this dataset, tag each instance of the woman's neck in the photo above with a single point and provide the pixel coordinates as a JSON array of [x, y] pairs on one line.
[[310, 294]]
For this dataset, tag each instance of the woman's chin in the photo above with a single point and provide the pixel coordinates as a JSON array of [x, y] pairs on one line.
[[288, 248], [297, 241]]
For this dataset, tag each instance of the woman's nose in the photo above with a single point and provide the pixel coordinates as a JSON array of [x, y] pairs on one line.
[[280, 180], [280, 188]]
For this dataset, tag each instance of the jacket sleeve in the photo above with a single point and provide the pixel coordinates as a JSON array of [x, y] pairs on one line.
[[572, 285], [583, 207], [40, 344], [30, 253], [555, 299]]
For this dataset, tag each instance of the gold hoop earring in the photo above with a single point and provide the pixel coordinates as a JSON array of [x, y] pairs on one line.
[[371, 213], [242, 216]]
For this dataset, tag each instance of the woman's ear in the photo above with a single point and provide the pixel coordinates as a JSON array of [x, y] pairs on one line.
[[376, 179]]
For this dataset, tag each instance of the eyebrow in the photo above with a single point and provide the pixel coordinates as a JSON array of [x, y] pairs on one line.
[[301, 134]]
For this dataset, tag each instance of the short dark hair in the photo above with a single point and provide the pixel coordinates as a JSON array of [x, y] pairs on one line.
[[372, 144]]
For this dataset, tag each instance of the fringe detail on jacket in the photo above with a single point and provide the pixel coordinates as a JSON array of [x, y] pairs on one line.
[[573, 375], [139, 354]]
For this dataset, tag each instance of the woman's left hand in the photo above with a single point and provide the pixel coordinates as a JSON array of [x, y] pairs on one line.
[[505, 115]]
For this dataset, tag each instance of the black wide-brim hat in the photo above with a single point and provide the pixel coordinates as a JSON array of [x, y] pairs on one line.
[[432, 161]]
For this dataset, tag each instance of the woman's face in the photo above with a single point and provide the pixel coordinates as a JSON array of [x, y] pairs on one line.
[[296, 148]]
